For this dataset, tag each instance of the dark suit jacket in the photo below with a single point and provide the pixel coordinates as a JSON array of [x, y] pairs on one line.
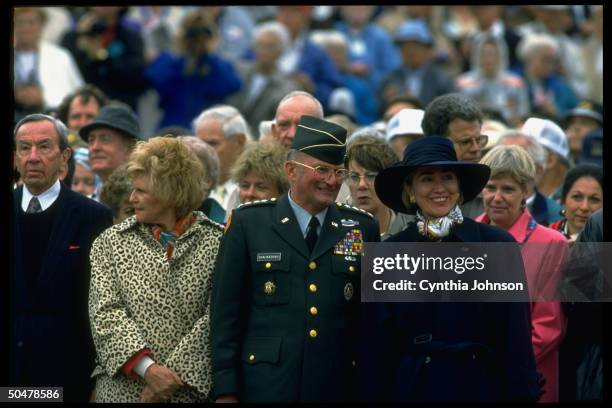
[[121, 75], [266, 284], [50, 337], [263, 107], [449, 352]]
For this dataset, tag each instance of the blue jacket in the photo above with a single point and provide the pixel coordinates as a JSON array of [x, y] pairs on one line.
[[366, 106], [381, 55], [321, 69], [184, 96], [451, 352], [564, 97], [50, 334]]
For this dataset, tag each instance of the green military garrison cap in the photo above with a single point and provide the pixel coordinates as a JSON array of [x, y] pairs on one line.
[[320, 139]]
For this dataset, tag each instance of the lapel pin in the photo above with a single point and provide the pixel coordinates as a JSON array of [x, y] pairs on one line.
[[334, 224], [284, 220]]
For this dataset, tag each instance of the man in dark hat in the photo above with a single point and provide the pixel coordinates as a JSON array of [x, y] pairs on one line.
[[111, 137], [580, 121], [285, 301]]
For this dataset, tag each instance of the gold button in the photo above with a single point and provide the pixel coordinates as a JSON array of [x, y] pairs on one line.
[[252, 357], [351, 268], [312, 265], [313, 333], [269, 288], [312, 287], [268, 265], [313, 311]]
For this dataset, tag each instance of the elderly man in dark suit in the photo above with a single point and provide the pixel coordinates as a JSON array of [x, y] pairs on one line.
[[284, 316], [53, 229]]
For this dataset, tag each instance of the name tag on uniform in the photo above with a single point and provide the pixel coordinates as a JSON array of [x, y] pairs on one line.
[[269, 257]]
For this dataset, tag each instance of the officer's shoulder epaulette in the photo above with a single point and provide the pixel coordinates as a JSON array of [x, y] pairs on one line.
[[355, 209], [270, 201], [215, 224]]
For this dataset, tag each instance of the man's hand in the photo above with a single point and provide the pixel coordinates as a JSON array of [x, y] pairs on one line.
[[227, 398], [162, 383]]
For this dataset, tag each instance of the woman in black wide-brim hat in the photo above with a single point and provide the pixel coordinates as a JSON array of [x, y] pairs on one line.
[[443, 351]]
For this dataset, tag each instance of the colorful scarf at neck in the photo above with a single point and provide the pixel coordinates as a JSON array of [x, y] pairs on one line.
[[167, 239], [439, 227]]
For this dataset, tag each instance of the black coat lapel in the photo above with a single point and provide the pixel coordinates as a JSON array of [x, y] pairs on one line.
[[285, 224]]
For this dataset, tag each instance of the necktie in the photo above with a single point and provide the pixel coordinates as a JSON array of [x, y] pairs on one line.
[[312, 236], [34, 206]]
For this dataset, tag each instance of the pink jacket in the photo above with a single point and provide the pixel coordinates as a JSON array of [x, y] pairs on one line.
[[543, 269]]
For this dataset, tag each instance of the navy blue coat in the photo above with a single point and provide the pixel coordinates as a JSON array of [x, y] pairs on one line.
[[50, 337], [447, 351]]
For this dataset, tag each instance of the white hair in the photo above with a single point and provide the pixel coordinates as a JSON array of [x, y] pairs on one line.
[[265, 127], [233, 123], [534, 148], [278, 30], [533, 43]]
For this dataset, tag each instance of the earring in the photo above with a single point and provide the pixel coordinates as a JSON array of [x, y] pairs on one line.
[[562, 212], [523, 205], [411, 199]]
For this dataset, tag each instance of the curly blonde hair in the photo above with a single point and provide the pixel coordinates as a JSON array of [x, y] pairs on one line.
[[176, 175]]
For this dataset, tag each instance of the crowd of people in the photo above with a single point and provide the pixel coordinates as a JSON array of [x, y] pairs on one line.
[[193, 187]]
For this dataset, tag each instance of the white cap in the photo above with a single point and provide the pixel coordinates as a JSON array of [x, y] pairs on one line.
[[405, 122], [549, 134]]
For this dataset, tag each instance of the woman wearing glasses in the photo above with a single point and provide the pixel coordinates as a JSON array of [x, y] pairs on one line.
[[442, 351], [366, 155]]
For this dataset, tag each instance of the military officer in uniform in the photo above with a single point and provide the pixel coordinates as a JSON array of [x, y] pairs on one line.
[[285, 304]]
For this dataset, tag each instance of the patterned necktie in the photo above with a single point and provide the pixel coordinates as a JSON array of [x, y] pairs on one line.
[[312, 236], [34, 206]]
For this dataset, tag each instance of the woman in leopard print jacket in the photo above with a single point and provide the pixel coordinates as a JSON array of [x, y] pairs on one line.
[[151, 281]]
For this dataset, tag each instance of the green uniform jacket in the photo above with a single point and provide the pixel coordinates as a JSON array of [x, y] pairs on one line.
[[284, 323]]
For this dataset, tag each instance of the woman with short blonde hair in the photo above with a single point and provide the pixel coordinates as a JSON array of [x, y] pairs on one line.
[[259, 172], [504, 197]]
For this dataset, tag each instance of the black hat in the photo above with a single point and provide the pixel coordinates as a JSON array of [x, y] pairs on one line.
[[433, 151], [114, 117], [592, 148], [320, 139], [587, 108]]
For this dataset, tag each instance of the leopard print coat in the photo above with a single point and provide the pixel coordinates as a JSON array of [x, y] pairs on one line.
[[138, 298]]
